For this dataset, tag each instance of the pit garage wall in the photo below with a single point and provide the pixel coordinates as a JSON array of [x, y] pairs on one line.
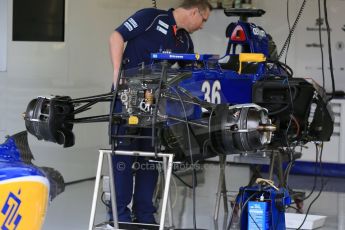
[[3, 53], [80, 66]]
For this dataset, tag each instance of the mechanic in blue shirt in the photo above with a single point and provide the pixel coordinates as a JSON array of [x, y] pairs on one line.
[[148, 31]]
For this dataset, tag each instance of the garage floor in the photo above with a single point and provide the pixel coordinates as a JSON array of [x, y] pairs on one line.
[[71, 210]]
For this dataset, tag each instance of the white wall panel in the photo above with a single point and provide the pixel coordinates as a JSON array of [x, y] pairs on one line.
[[308, 60], [3, 34], [211, 39], [3, 62]]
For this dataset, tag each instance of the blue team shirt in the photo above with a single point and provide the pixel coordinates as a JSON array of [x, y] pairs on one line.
[[150, 31]]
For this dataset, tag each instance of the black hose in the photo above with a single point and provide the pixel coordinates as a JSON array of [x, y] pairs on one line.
[[329, 49], [288, 39], [79, 181]]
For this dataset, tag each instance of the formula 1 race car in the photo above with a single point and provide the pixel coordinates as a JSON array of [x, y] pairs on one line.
[[246, 101]]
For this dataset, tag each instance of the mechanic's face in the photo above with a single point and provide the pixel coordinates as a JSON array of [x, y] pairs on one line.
[[198, 19]]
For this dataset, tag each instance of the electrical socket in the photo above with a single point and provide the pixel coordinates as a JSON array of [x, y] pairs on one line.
[[106, 184]]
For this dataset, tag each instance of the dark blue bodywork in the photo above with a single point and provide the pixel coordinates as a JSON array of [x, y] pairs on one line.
[[218, 81], [11, 163]]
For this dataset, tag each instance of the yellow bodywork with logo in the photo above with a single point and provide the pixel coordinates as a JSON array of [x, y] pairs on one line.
[[23, 203]]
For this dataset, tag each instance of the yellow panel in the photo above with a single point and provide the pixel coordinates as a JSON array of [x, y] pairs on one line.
[[133, 120], [23, 205], [250, 57]]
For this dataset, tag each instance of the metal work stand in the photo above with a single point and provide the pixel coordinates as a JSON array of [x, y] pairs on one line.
[[167, 166], [221, 192]]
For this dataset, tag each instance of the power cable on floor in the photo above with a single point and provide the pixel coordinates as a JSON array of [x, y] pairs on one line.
[[79, 181]]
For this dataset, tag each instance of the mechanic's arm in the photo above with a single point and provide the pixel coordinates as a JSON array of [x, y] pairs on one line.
[[116, 47]]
